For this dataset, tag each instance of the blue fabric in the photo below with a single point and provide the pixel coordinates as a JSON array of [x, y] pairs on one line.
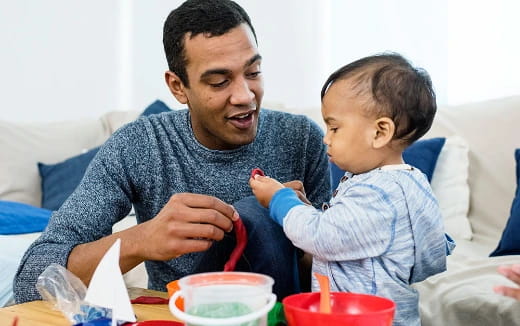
[[422, 154], [17, 218], [61, 179], [282, 202], [156, 107], [509, 244], [268, 250]]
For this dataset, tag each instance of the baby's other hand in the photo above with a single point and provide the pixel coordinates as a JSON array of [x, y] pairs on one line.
[[264, 188], [297, 186]]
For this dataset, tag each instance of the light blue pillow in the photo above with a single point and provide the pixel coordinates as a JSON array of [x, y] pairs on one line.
[[509, 243], [422, 154], [61, 179], [17, 218]]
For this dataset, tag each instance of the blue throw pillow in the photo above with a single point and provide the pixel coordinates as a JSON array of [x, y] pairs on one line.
[[156, 107], [16, 218], [59, 180], [422, 154], [509, 244]]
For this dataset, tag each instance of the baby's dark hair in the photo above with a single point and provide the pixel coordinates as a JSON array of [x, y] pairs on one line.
[[211, 17], [397, 90]]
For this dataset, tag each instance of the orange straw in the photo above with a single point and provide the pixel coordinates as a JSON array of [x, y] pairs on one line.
[[324, 293]]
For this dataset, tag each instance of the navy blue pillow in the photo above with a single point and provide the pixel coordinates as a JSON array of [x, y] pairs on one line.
[[422, 154], [509, 244], [16, 218], [59, 180], [156, 107]]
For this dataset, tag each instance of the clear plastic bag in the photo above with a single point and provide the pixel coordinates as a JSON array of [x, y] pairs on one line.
[[67, 293]]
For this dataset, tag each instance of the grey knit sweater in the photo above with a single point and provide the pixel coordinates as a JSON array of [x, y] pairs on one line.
[[147, 161]]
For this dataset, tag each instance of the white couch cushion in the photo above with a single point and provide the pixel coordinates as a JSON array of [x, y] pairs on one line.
[[450, 186], [489, 129], [22, 145]]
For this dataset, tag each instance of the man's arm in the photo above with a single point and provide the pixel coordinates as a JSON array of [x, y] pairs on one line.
[[80, 232], [187, 223]]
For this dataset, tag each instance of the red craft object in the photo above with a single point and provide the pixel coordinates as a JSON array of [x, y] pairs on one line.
[[149, 300], [241, 235], [257, 171]]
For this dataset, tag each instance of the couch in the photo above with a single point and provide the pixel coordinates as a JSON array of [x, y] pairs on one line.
[[23, 145], [474, 179]]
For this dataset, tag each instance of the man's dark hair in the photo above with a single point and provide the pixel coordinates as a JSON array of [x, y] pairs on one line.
[[397, 90], [211, 17]]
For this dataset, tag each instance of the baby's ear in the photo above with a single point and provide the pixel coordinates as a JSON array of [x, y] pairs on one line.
[[384, 132]]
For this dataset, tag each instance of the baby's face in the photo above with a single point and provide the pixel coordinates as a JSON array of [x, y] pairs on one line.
[[350, 129]]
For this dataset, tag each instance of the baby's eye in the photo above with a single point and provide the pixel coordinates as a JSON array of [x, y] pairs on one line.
[[333, 129]]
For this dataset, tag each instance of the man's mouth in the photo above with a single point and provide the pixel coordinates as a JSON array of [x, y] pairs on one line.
[[243, 120]]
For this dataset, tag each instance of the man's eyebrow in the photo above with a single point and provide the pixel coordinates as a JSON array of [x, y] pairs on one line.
[[217, 71], [220, 71], [254, 59]]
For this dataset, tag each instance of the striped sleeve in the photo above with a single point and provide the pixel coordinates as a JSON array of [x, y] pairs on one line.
[[360, 224]]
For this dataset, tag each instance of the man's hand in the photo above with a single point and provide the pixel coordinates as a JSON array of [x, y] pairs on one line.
[[187, 223], [513, 273]]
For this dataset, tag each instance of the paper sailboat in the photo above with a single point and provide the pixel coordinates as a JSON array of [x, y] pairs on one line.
[[107, 288]]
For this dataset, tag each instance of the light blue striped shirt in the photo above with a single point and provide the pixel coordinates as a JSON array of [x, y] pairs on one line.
[[383, 231]]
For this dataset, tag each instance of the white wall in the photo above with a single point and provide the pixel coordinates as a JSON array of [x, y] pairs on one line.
[[63, 59], [57, 59]]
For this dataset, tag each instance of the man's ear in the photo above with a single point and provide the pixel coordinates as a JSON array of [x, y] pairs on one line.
[[176, 86], [384, 132]]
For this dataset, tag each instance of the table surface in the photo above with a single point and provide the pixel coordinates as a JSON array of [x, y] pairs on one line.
[[41, 313]]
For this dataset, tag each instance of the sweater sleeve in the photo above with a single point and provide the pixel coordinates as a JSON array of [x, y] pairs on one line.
[[359, 225], [102, 198], [281, 203]]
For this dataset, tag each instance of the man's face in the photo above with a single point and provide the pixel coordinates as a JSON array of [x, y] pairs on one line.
[[225, 88]]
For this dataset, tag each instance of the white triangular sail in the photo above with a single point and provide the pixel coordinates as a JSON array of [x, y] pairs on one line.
[[107, 287]]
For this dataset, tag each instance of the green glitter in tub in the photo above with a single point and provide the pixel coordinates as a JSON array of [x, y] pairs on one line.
[[222, 310]]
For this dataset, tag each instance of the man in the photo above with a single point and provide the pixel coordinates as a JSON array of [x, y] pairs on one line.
[[182, 170]]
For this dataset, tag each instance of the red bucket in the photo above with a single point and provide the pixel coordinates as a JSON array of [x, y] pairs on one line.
[[351, 309]]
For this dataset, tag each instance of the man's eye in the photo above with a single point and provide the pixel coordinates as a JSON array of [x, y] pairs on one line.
[[333, 129], [254, 74], [218, 85]]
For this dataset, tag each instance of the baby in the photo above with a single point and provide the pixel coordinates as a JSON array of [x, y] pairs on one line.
[[382, 230]]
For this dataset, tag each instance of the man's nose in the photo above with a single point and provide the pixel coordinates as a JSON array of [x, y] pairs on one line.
[[241, 93]]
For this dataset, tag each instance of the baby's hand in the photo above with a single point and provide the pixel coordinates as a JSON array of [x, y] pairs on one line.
[[264, 188]]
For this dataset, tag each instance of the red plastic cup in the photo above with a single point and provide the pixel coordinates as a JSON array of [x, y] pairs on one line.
[[351, 309]]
